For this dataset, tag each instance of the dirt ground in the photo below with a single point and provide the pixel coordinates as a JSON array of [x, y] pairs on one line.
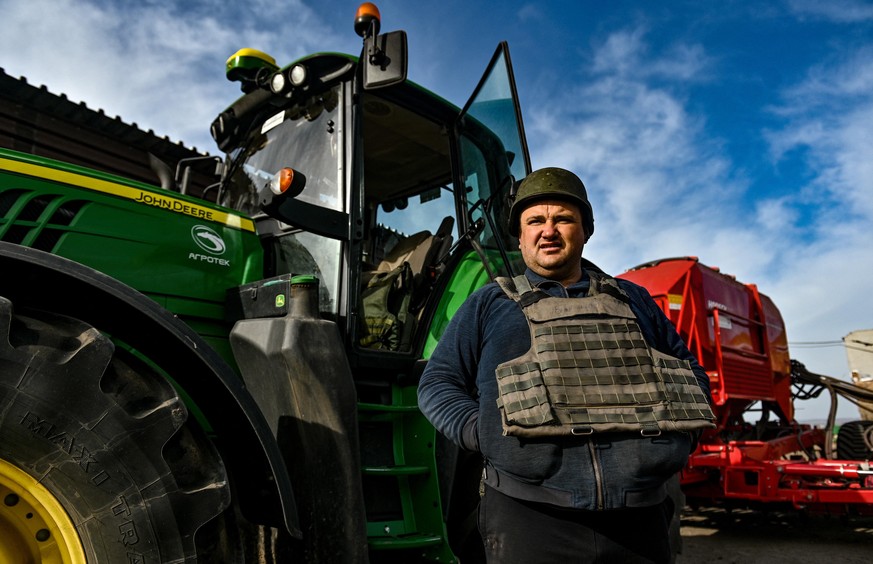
[[745, 537]]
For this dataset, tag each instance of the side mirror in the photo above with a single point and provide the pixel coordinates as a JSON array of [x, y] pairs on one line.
[[386, 57]]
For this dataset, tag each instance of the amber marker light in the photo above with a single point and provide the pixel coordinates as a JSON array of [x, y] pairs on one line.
[[281, 181], [367, 13]]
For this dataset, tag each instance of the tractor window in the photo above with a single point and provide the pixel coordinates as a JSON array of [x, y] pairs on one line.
[[399, 219], [407, 175], [303, 137], [306, 253], [409, 211], [487, 191]]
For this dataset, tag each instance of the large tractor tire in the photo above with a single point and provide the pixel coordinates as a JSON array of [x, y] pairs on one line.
[[98, 459], [855, 441]]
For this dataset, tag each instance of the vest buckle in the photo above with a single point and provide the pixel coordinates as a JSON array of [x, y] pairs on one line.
[[582, 431], [650, 432]]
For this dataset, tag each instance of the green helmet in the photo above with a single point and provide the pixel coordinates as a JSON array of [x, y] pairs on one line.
[[551, 183]]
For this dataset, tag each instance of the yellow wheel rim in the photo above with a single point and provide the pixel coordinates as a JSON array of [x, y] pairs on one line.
[[34, 527]]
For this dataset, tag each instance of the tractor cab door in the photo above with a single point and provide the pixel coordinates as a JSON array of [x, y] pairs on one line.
[[432, 177], [493, 155]]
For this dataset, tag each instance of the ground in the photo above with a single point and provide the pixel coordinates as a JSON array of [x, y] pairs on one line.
[[715, 536]]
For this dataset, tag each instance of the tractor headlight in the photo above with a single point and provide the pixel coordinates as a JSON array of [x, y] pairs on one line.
[[278, 83], [283, 81], [298, 75]]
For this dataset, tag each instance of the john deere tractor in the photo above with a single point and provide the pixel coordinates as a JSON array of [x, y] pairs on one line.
[[232, 377]]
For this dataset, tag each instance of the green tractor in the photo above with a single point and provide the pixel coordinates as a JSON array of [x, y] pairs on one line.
[[232, 378]]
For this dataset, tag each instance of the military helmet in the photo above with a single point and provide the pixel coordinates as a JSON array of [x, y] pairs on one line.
[[547, 183]]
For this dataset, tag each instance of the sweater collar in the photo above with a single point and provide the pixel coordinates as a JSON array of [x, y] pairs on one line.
[[555, 288]]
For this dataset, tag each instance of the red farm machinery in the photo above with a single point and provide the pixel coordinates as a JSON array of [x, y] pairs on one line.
[[770, 460]]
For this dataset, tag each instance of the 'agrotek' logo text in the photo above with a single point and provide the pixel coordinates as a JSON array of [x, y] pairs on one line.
[[210, 241]]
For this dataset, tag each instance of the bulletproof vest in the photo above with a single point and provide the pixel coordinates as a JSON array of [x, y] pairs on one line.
[[589, 370]]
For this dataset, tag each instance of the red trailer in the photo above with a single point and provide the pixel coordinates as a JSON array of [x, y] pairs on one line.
[[758, 452]]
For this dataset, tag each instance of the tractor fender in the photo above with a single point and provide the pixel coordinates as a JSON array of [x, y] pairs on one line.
[[40, 280]]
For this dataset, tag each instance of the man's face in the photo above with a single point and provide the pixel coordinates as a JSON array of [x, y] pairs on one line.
[[551, 239]]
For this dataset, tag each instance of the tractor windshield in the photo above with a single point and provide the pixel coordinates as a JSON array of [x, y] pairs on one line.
[[302, 137]]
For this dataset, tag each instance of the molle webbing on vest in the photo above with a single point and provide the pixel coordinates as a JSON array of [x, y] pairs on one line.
[[590, 369]]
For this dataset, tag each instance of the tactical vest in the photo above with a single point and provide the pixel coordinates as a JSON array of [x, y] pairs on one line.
[[589, 369], [387, 323]]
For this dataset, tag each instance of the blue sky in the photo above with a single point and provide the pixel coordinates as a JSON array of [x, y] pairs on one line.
[[740, 132]]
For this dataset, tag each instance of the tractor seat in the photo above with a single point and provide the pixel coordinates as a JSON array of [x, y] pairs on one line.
[[392, 292]]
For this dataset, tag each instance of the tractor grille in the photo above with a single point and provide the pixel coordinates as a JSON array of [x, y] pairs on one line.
[[36, 220]]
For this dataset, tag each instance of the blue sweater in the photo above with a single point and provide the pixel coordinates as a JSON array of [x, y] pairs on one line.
[[458, 394]]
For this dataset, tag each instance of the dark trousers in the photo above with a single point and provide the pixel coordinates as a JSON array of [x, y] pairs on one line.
[[522, 532]]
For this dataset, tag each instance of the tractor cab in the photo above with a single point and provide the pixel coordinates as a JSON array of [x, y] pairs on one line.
[[371, 183]]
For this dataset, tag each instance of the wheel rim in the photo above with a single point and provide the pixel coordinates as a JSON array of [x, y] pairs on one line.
[[34, 527]]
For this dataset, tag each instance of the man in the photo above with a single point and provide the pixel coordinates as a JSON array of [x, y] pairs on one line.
[[581, 431]]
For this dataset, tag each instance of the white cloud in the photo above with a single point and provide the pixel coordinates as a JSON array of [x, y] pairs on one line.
[[840, 11], [626, 53], [830, 123], [654, 176], [777, 215], [620, 53]]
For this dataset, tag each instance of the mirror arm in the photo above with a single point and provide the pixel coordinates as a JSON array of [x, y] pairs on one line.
[[375, 56]]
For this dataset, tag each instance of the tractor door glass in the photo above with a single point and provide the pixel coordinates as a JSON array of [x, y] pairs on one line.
[[493, 153], [494, 104]]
